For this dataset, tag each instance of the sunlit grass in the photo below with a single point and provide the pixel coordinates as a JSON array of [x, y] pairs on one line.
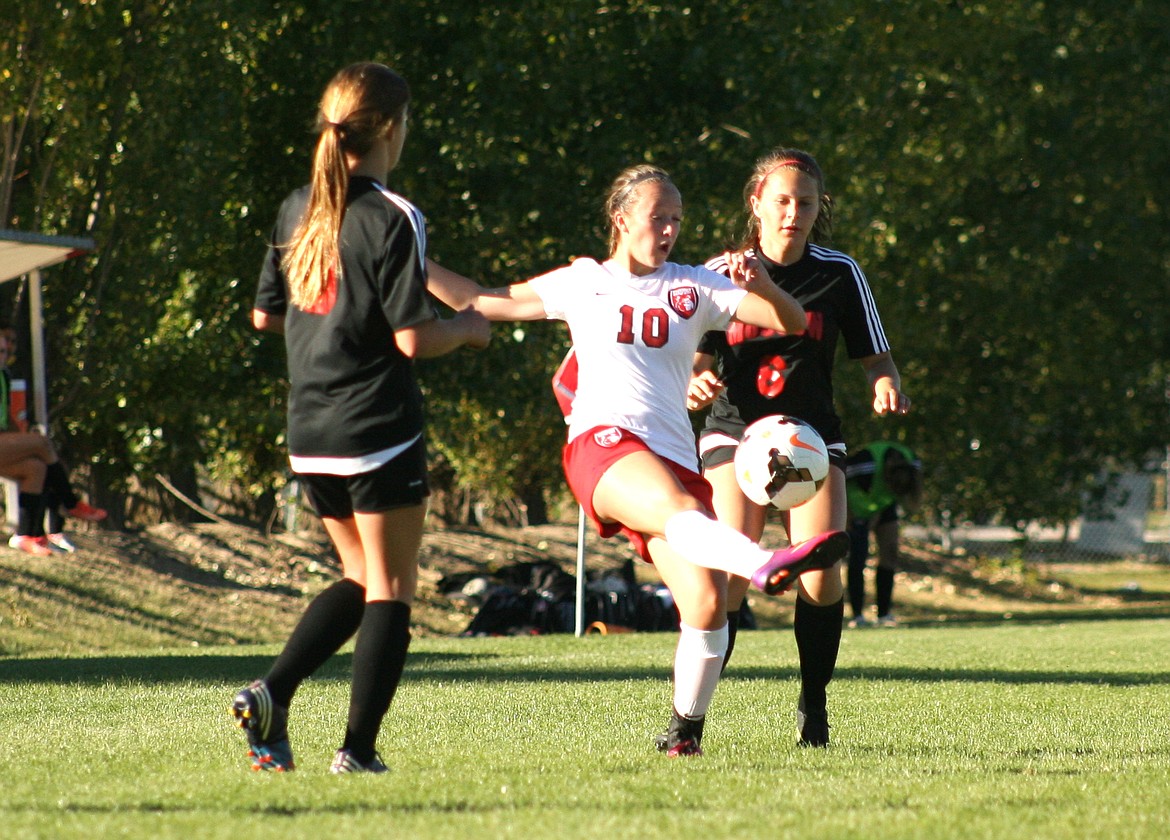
[[1050, 730]]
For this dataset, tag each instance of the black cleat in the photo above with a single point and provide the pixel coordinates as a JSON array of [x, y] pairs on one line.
[[344, 762], [266, 725], [682, 737], [812, 726]]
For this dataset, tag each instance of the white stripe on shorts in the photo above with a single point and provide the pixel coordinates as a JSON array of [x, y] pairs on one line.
[[349, 466], [714, 440]]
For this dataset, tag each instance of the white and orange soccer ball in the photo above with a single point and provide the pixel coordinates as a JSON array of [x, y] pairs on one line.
[[781, 461]]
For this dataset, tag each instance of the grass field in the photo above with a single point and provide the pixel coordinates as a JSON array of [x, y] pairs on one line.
[[992, 731]]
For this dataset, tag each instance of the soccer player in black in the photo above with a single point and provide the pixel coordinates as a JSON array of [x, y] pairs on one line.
[[746, 373], [345, 282]]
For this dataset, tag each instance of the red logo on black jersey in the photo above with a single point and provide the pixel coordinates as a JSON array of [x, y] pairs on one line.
[[323, 305], [684, 301], [771, 376], [738, 333], [816, 325]]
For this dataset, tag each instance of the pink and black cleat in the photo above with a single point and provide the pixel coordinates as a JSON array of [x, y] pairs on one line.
[[786, 565]]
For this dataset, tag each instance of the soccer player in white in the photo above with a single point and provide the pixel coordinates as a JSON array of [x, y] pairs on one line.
[[635, 321]]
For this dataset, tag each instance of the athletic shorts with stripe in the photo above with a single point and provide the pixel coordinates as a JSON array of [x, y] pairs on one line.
[[589, 455], [400, 482]]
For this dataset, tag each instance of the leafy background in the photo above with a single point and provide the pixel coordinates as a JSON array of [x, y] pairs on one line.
[[999, 170]]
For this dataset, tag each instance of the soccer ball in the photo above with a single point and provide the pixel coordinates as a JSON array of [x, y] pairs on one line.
[[781, 461]]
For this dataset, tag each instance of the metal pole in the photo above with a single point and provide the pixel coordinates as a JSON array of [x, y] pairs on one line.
[[40, 405], [1167, 465], [580, 572]]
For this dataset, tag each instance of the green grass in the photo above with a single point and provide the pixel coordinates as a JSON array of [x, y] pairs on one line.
[[1005, 731], [1123, 577]]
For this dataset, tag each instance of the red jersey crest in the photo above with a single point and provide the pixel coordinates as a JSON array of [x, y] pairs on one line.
[[684, 301], [608, 437]]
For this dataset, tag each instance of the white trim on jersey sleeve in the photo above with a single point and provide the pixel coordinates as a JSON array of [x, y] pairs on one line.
[[418, 222], [877, 335], [718, 264], [858, 470]]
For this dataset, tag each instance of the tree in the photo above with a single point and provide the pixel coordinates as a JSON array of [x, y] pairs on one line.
[[997, 170]]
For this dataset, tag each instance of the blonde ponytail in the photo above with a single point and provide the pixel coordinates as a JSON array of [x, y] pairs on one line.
[[359, 103]]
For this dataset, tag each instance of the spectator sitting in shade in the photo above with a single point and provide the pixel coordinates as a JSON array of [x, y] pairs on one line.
[[30, 459]]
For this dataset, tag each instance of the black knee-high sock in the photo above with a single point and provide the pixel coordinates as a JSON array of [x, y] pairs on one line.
[[818, 640], [855, 581], [885, 590], [55, 521], [378, 659], [31, 516], [57, 481], [732, 632], [329, 621], [855, 574]]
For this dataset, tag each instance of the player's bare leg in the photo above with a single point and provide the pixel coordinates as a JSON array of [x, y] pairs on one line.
[[643, 493]]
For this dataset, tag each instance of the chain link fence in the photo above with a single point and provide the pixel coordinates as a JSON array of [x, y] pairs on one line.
[[1131, 521]]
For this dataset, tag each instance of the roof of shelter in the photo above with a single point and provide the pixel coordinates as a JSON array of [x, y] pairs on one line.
[[22, 252]]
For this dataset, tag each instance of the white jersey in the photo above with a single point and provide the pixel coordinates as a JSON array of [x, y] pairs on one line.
[[635, 339]]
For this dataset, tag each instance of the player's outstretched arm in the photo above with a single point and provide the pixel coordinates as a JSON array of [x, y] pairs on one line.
[[766, 304], [443, 335], [517, 302]]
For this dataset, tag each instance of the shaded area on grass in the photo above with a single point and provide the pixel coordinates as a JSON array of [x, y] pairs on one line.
[[485, 667], [175, 585]]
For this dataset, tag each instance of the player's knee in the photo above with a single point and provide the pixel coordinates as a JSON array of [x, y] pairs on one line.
[[704, 608]]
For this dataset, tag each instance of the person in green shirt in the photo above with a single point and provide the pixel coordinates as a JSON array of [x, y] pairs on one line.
[[879, 478]]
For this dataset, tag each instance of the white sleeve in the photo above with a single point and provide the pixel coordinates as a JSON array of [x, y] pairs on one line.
[[724, 294], [556, 290]]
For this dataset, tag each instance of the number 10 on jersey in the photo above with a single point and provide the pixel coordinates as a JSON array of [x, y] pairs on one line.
[[655, 327]]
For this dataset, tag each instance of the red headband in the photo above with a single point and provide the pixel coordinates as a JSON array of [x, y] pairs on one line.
[[799, 164]]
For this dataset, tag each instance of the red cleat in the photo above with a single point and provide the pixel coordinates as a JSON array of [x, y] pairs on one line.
[[37, 546], [86, 512]]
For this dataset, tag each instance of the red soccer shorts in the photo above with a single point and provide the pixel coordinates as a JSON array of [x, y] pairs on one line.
[[589, 455]]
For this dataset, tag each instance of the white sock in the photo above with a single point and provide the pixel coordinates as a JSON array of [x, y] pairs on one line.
[[698, 661], [713, 545]]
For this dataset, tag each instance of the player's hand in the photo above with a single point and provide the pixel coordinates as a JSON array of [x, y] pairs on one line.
[[744, 269], [703, 390], [476, 327], [889, 400]]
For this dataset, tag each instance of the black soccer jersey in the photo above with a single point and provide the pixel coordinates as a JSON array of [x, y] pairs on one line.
[[768, 373], [353, 392]]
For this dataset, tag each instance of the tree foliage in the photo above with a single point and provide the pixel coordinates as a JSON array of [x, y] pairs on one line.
[[997, 169]]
